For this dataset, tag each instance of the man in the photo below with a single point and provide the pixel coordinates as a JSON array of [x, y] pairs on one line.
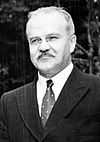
[[69, 111]]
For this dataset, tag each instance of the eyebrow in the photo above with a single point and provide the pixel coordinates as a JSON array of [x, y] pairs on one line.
[[34, 37], [51, 34]]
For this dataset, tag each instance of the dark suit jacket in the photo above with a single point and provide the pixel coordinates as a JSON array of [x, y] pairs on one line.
[[74, 118]]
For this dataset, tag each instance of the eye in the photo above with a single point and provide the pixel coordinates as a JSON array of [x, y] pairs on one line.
[[35, 41], [52, 38]]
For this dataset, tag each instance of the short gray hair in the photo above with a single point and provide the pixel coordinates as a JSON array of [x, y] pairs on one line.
[[47, 10]]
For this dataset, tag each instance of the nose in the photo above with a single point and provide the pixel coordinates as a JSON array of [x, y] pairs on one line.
[[44, 46]]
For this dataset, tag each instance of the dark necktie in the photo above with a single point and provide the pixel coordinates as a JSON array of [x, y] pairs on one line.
[[47, 102]]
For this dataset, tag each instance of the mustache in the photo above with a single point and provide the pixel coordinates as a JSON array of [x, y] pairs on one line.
[[45, 54]]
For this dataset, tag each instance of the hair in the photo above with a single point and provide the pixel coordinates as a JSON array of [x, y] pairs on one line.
[[70, 28]]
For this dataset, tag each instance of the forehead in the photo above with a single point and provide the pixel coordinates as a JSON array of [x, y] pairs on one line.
[[46, 22]]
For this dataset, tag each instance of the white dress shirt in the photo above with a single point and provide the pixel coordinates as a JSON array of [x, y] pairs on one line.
[[58, 80]]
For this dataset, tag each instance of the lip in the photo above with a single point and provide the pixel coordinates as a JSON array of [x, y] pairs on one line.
[[45, 57]]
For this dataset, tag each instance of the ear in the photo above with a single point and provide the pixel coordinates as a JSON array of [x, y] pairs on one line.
[[72, 43]]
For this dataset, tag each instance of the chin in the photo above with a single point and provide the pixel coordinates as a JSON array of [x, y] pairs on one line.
[[45, 66], [45, 70]]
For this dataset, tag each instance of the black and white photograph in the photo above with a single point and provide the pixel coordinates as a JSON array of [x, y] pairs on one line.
[[50, 71]]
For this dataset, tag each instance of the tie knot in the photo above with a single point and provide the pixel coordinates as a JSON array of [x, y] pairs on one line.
[[49, 83]]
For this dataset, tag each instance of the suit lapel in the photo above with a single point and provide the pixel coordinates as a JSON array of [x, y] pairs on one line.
[[72, 93], [28, 108]]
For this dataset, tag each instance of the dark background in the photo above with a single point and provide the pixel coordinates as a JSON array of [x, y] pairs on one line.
[[16, 68]]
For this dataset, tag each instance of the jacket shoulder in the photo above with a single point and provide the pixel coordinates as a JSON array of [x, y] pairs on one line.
[[90, 79], [17, 91]]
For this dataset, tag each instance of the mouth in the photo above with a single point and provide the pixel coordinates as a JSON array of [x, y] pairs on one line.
[[45, 56]]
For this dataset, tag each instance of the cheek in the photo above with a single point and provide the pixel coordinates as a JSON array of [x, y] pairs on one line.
[[63, 54], [33, 51], [33, 55], [62, 50], [33, 59]]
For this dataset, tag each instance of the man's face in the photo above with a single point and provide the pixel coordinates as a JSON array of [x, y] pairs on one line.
[[49, 43]]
